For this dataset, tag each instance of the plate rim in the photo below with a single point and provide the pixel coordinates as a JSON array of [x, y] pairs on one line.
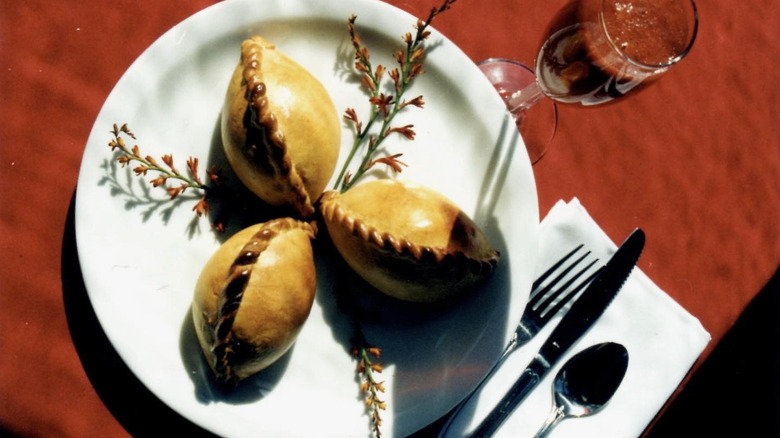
[[98, 129]]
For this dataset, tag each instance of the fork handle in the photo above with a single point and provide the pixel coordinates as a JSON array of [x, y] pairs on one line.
[[510, 347], [522, 387]]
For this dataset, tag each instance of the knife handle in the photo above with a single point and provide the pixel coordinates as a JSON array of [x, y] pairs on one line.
[[530, 377]]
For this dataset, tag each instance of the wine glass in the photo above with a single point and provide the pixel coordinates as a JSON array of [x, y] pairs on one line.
[[594, 52]]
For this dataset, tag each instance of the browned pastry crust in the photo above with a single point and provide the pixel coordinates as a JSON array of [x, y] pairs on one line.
[[253, 296], [280, 130], [407, 241]]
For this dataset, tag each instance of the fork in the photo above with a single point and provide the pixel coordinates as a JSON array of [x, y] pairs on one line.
[[546, 301]]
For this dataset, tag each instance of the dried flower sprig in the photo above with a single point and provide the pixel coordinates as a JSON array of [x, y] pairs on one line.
[[166, 172], [368, 365], [143, 198], [384, 107]]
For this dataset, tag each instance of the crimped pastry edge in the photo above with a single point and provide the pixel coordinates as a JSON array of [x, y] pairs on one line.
[[251, 59], [337, 215], [227, 373]]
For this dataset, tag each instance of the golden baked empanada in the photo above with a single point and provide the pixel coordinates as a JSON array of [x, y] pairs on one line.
[[280, 129], [253, 296], [406, 240]]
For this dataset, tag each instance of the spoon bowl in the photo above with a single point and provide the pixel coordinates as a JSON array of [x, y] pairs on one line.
[[586, 383]]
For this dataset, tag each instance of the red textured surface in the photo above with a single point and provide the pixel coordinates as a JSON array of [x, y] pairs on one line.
[[694, 160]]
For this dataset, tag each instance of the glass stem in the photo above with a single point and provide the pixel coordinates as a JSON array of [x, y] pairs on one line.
[[524, 99]]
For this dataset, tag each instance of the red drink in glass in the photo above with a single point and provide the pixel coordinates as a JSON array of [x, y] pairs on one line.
[[598, 50]]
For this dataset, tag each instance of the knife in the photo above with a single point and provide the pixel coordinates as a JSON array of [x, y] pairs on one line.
[[580, 317]]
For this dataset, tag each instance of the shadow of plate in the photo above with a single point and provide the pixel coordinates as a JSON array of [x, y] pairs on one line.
[[139, 411]]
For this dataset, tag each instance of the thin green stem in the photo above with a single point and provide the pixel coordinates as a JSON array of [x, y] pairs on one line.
[[371, 79], [150, 166]]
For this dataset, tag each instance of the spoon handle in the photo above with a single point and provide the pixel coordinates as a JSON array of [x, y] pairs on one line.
[[556, 415]]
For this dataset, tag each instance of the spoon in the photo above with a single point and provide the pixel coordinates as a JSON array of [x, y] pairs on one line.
[[586, 382]]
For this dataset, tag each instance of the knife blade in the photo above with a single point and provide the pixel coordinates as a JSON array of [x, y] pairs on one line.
[[580, 317]]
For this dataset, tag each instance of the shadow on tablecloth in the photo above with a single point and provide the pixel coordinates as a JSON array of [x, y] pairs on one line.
[[736, 392]]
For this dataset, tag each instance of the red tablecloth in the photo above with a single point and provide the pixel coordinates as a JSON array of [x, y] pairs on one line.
[[694, 160]]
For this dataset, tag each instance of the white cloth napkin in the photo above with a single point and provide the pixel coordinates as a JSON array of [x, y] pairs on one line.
[[663, 341]]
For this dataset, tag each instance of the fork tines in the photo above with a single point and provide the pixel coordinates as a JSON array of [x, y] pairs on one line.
[[541, 296]]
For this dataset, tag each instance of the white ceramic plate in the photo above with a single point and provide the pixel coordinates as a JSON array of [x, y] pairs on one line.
[[140, 258]]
